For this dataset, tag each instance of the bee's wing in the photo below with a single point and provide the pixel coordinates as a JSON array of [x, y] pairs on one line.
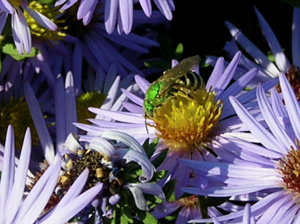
[[170, 76]]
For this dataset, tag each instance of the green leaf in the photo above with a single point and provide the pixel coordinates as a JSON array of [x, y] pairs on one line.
[[150, 147], [11, 50], [161, 157], [179, 51], [126, 215], [169, 190], [146, 217]]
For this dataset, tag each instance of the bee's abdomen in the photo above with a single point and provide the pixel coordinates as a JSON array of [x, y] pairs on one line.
[[190, 80]]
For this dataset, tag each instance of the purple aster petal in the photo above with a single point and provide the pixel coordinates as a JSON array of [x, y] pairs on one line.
[[120, 116], [251, 49], [151, 188], [165, 210], [126, 15], [183, 216], [60, 112], [72, 144], [238, 85], [8, 171], [3, 17], [6, 7], [126, 139], [79, 203], [232, 170], [102, 146], [39, 123], [84, 7], [274, 210], [88, 17], [277, 105], [291, 104], [41, 19], [215, 75], [139, 198], [142, 83], [226, 76], [71, 194], [248, 96], [248, 218], [21, 32], [39, 195], [264, 136], [110, 15], [70, 104], [272, 121], [77, 66], [114, 199], [144, 162], [20, 178], [68, 4], [132, 41], [164, 7], [133, 108], [280, 58], [295, 37], [136, 99], [146, 6], [59, 2]]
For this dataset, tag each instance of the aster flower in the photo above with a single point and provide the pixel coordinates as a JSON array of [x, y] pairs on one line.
[[269, 66], [193, 123], [271, 171], [121, 164], [189, 209], [69, 104], [20, 29], [121, 12], [13, 106], [18, 204], [78, 46]]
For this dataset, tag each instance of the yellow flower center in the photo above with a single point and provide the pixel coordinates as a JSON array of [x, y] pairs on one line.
[[15, 3], [289, 167], [89, 99], [191, 201], [186, 119], [39, 31], [16, 112]]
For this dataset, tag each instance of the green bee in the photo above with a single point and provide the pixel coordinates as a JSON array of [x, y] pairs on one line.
[[180, 77]]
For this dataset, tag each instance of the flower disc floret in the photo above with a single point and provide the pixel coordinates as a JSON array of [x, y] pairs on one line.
[[289, 166], [186, 119], [40, 31], [16, 112], [293, 76]]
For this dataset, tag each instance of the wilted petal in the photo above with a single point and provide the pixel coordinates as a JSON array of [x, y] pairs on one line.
[[126, 139], [144, 162], [139, 198]]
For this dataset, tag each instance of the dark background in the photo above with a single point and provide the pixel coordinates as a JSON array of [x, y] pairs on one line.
[[199, 24]]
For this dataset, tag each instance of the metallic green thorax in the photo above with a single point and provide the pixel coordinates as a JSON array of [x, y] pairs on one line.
[[179, 77]]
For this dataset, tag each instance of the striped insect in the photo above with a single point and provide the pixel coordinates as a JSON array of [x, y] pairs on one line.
[[179, 78]]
